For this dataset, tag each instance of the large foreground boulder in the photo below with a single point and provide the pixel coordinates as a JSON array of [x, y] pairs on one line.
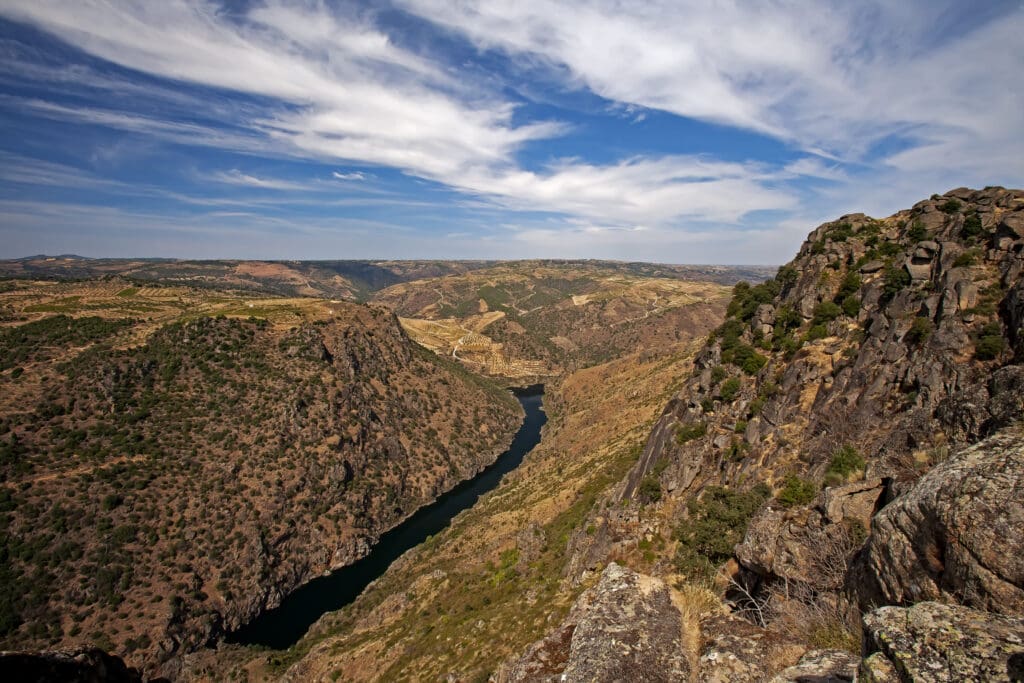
[[935, 643], [626, 628], [954, 536]]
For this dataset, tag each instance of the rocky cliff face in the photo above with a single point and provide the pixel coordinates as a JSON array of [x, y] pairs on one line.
[[897, 337]]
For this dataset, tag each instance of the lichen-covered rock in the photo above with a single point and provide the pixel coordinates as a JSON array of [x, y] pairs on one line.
[[955, 535], [626, 628], [935, 643], [876, 668], [734, 650], [821, 666]]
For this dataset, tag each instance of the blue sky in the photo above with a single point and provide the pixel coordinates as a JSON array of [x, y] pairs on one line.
[[682, 132]]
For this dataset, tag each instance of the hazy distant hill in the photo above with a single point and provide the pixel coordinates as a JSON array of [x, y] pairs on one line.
[[340, 279], [530, 318]]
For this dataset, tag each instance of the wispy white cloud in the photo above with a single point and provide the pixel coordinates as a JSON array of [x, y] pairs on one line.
[[350, 93], [887, 101], [236, 177], [354, 175], [347, 92], [638, 190], [839, 77], [179, 132]]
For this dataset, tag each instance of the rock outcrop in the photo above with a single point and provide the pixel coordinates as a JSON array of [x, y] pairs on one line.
[[895, 336], [625, 628], [882, 348], [956, 535], [935, 643]]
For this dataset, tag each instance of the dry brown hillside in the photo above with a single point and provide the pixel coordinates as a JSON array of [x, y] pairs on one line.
[[165, 481]]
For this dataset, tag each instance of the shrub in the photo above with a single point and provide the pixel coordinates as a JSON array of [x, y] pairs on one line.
[[787, 276], [787, 344], [972, 226], [845, 461], [649, 490], [896, 279], [920, 330], [730, 332], [756, 406], [840, 232], [990, 342], [917, 233], [687, 433], [795, 491], [716, 523], [111, 501], [741, 426], [950, 206], [747, 359], [851, 306], [718, 373], [850, 285], [968, 258], [816, 332], [825, 312], [746, 299], [730, 388]]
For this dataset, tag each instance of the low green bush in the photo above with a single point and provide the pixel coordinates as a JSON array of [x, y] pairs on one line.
[[716, 523], [920, 330], [896, 279], [730, 388], [968, 258], [851, 306], [795, 491], [950, 206], [845, 461], [972, 226], [687, 433], [990, 343], [649, 490], [825, 312]]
